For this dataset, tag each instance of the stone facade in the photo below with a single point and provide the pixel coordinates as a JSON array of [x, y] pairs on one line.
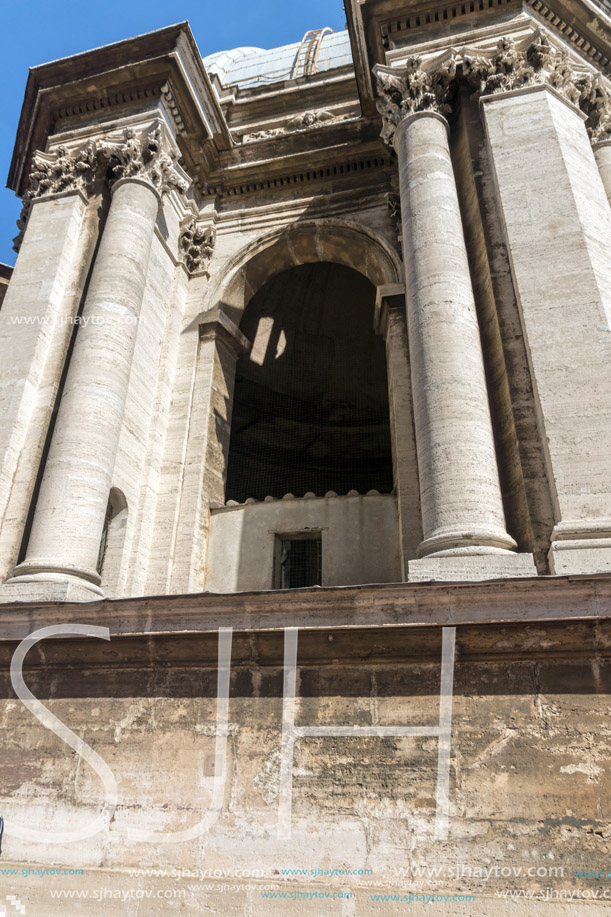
[[449, 168]]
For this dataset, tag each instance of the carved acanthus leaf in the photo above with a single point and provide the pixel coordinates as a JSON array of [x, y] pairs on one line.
[[196, 246], [539, 63], [57, 173], [412, 89], [595, 102], [142, 156]]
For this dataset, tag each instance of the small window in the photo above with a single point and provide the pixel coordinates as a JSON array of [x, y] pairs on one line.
[[298, 561]]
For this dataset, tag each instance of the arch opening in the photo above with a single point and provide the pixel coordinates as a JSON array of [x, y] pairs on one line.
[[310, 411]]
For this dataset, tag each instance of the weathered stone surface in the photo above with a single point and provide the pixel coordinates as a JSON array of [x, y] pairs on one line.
[[498, 396]]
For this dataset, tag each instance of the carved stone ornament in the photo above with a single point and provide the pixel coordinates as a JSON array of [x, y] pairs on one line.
[[196, 246], [404, 92], [512, 68], [56, 173], [393, 201], [595, 102], [412, 89], [143, 157], [137, 156], [306, 121]]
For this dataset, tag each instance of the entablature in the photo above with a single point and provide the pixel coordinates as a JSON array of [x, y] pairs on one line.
[[162, 67], [380, 30]]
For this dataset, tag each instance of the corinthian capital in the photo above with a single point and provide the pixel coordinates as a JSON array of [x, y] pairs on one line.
[[403, 92], [142, 156], [595, 102], [513, 67], [57, 173]]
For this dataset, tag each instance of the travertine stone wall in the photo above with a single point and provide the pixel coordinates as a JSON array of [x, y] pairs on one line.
[[558, 225], [529, 752], [522, 465]]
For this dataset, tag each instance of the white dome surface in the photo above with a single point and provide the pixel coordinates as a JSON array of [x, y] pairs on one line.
[[222, 62], [249, 67]]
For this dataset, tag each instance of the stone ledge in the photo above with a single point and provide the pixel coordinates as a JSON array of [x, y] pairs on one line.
[[45, 592], [472, 567]]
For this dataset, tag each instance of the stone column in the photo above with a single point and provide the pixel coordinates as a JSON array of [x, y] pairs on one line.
[[71, 507], [462, 511], [595, 102], [602, 154], [558, 225], [36, 324]]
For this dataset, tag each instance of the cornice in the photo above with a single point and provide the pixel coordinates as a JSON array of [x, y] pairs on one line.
[[378, 28], [162, 67], [285, 179], [558, 617]]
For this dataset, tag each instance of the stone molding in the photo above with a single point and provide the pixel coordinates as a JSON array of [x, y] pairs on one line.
[[215, 324], [138, 156], [303, 122], [536, 62], [196, 246]]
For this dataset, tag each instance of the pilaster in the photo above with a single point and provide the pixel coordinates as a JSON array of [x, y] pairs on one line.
[[558, 225], [220, 343], [391, 323]]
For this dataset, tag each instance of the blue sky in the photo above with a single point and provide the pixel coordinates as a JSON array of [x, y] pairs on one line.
[[37, 31]]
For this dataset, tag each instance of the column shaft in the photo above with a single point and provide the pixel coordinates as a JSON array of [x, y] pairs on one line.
[[35, 331], [462, 510], [602, 154], [71, 507]]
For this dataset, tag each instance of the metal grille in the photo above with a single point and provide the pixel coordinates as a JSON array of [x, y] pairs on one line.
[[299, 562]]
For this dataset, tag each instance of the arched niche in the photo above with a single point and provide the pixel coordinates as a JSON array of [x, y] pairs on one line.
[[338, 241], [311, 411]]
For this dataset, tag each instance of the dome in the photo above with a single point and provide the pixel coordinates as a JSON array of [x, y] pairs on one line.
[[253, 67], [223, 62]]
